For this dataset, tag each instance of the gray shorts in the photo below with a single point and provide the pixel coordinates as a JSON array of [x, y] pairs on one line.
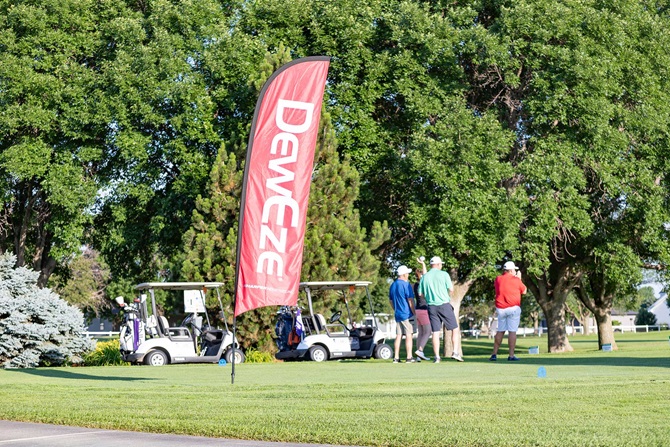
[[509, 319], [442, 314]]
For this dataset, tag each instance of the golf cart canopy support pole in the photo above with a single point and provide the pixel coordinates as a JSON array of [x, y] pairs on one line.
[[154, 313], [311, 310], [203, 293], [346, 305], [372, 308], [223, 315]]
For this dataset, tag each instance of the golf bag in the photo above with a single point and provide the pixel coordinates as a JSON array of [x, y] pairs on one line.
[[284, 327], [132, 331]]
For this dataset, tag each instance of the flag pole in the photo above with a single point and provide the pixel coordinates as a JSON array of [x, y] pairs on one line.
[[311, 92], [232, 374], [240, 224]]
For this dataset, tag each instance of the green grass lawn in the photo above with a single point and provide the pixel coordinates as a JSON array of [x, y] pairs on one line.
[[588, 398]]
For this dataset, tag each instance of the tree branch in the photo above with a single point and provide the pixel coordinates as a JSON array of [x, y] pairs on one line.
[[657, 267], [584, 297]]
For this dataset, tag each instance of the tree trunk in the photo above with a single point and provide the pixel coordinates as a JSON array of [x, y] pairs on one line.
[[42, 261], [536, 323], [460, 290], [584, 317], [605, 330], [22, 223], [557, 335], [551, 294], [46, 269], [586, 324], [599, 302], [447, 345]]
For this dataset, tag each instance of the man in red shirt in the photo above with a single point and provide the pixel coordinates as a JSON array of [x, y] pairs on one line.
[[509, 289]]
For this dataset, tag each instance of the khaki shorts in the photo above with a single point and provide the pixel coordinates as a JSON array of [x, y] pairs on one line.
[[403, 327]]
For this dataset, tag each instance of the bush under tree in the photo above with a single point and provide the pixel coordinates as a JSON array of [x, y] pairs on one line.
[[37, 327]]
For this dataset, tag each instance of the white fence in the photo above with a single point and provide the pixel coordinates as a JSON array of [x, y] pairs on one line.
[[594, 329], [97, 334], [621, 328], [638, 328], [522, 331]]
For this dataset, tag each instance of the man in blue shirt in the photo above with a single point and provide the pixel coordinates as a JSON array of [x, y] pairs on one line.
[[401, 297]]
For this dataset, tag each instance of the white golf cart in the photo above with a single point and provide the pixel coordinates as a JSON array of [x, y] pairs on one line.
[[318, 340], [146, 336]]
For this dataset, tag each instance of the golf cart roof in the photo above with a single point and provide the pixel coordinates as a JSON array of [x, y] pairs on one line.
[[332, 285], [178, 285]]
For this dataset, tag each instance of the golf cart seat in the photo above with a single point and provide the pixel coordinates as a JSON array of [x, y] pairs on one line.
[[151, 326], [312, 325], [180, 332], [363, 332], [213, 335], [211, 341], [320, 322]]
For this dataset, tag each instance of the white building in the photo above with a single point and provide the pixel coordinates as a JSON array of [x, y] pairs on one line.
[[661, 310], [623, 318]]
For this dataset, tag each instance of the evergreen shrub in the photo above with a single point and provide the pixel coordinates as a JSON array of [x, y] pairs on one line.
[[37, 327]]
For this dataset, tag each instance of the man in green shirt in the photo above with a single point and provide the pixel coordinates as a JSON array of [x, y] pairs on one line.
[[436, 286]]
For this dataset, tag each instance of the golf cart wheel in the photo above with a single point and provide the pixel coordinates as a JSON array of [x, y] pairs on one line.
[[318, 353], [239, 356], [156, 358], [383, 352]]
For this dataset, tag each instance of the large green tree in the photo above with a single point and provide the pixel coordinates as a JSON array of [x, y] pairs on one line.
[[583, 86], [113, 113], [53, 126], [162, 140], [626, 180]]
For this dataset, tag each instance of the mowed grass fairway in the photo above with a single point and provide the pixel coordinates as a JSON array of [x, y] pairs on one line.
[[588, 398]]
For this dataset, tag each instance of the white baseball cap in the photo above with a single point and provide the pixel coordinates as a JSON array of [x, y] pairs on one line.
[[509, 265], [403, 269], [435, 260]]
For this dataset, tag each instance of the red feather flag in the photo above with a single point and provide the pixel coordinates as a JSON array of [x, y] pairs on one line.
[[275, 192]]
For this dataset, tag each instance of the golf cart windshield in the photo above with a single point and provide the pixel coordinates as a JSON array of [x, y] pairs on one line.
[[316, 286], [342, 288], [181, 286], [178, 285]]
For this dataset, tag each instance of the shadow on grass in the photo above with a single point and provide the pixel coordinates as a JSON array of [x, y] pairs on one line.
[[483, 347], [478, 349], [604, 360], [625, 342], [63, 374]]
